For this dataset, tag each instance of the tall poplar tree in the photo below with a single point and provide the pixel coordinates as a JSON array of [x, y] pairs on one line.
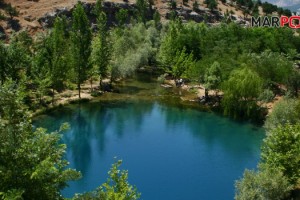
[[101, 51], [81, 37]]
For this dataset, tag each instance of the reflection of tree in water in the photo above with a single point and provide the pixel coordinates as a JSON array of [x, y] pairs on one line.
[[90, 121], [80, 140], [215, 131], [129, 114]]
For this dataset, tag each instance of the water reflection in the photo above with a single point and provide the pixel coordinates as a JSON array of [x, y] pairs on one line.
[[179, 152]]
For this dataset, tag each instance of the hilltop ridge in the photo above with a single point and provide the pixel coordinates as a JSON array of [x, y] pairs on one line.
[[35, 15]]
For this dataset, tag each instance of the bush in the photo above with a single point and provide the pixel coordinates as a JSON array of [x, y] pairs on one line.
[[266, 96], [266, 184], [2, 17], [285, 111], [116, 187], [281, 151], [161, 79]]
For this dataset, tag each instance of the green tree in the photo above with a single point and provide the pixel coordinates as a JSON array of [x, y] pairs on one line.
[[11, 11], [262, 185], [182, 62], [58, 62], [18, 60], [240, 93], [4, 71], [101, 47], [122, 16], [116, 187], [133, 47], [156, 18], [2, 17], [286, 111], [281, 151], [212, 78], [293, 82], [211, 4], [32, 164], [195, 5], [81, 37], [142, 9], [271, 66]]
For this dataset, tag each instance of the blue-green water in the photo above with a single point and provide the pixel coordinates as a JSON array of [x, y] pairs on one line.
[[171, 153]]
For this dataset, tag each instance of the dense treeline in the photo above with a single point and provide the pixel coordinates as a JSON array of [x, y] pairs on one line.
[[70, 54], [278, 173], [246, 67]]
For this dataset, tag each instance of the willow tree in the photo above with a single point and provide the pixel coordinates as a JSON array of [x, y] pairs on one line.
[[81, 37], [241, 91]]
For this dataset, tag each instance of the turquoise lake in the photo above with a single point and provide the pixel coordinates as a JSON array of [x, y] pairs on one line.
[[170, 152]]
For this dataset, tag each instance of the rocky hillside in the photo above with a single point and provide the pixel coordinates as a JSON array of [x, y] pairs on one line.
[[36, 15]]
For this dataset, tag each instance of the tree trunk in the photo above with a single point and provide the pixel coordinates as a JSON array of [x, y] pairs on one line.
[[52, 96], [78, 85], [206, 94], [91, 81]]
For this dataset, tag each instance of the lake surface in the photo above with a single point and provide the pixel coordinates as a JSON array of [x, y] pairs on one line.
[[170, 152]]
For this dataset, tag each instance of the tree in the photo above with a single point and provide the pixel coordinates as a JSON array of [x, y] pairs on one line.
[[240, 93], [271, 66], [132, 47], [142, 9], [173, 5], [18, 60], [81, 37], [11, 11], [212, 78], [195, 5], [281, 151], [122, 16], [286, 111], [2, 17], [211, 4], [32, 164], [101, 47], [268, 8], [262, 185], [116, 187], [156, 18], [294, 83], [3, 63], [181, 63], [58, 66], [246, 12]]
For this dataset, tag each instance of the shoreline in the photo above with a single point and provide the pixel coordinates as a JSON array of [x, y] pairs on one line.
[[189, 94]]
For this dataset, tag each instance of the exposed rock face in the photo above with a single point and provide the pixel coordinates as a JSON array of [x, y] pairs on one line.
[[201, 15], [109, 8], [30, 19]]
